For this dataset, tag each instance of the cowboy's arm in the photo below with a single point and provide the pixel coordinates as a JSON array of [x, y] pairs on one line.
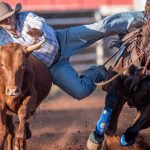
[[36, 22], [50, 47]]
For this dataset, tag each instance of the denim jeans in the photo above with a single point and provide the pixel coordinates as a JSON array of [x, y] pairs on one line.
[[75, 39]]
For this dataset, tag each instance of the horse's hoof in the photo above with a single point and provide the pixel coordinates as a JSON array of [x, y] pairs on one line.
[[95, 141], [124, 142]]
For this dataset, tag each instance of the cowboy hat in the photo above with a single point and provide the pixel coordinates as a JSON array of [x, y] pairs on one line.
[[6, 10]]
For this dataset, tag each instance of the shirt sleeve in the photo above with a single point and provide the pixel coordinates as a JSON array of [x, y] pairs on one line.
[[34, 21], [50, 47]]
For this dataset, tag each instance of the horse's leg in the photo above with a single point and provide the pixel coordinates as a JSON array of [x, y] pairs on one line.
[[10, 126], [114, 118], [96, 138], [128, 138], [111, 101]]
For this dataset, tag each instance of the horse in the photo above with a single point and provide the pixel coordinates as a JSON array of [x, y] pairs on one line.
[[129, 81]]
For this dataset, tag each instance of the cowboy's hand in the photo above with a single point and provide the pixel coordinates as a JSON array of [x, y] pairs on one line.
[[35, 33]]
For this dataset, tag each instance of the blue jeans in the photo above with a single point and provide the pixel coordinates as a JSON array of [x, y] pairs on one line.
[[75, 39]]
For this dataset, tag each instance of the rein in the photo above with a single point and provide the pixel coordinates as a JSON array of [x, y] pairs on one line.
[[110, 58], [119, 73]]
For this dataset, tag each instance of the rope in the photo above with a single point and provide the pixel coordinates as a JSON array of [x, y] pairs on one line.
[[119, 73], [110, 58]]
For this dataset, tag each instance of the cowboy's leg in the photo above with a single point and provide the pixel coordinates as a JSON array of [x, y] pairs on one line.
[[74, 39], [77, 86]]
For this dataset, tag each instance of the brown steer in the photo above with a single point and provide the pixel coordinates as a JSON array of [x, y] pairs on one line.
[[24, 83]]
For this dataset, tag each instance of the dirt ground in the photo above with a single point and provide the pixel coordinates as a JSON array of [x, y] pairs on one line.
[[63, 123]]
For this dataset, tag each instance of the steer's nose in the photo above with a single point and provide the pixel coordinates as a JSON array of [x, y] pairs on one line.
[[13, 91]]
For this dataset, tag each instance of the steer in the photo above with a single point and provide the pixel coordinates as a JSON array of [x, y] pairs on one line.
[[24, 83]]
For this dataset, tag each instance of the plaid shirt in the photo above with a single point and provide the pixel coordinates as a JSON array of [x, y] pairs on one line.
[[25, 21]]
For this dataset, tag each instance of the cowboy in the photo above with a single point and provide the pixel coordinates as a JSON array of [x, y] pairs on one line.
[[59, 45]]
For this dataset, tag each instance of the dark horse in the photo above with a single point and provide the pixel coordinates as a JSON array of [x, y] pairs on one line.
[[133, 83]]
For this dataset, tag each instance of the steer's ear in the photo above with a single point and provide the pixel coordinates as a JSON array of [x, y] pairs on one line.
[[35, 46]]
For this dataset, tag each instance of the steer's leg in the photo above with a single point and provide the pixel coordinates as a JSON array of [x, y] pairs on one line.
[[10, 136], [3, 130], [24, 113], [28, 131], [128, 138]]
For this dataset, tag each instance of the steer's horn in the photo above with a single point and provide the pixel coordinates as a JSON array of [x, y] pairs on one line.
[[35, 46]]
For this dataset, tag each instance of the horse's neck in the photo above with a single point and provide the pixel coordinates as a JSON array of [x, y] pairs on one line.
[[130, 55], [139, 44]]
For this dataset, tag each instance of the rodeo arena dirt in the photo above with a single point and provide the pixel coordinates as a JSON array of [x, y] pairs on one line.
[[62, 122]]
